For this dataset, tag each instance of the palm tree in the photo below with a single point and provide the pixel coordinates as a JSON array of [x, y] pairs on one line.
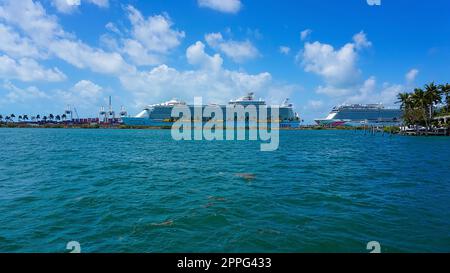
[[419, 102], [25, 117], [51, 117], [19, 119], [38, 117], [44, 118], [405, 100], [405, 105], [7, 119], [58, 117], [64, 117], [12, 116], [1, 118], [432, 98], [445, 91]]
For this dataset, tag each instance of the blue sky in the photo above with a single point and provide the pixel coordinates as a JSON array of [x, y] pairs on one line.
[[319, 53]]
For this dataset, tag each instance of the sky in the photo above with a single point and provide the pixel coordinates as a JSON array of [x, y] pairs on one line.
[[318, 53]]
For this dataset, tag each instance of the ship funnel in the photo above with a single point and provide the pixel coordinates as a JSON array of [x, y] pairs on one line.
[[123, 112]]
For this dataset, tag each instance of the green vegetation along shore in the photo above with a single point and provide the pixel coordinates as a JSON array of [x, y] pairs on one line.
[[391, 129], [424, 107]]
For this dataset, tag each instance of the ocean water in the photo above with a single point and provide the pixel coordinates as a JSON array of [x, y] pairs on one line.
[[140, 191]]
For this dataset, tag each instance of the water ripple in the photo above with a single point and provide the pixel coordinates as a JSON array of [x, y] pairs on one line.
[[140, 191]]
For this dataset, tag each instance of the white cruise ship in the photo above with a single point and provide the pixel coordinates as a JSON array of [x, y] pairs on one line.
[[160, 114], [361, 114]]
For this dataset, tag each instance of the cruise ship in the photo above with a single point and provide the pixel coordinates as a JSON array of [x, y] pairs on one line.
[[160, 114], [361, 114]]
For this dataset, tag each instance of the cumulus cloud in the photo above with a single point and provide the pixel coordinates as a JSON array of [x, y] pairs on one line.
[[371, 92], [360, 40], [148, 41], [113, 28], [16, 45], [164, 82], [46, 34], [27, 70], [238, 51], [100, 3], [341, 76], [15, 94], [87, 89], [196, 55], [305, 34], [226, 6], [82, 56], [66, 6], [69, 6], [337, 67], [85, 94], [211, 81], [411, 75], [285, 50], [138, 54], [154, 32]]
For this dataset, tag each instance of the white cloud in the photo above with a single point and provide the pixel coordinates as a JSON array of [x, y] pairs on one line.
[[69, 6], [211, 81], [85, 94], [16, 45], [163, 82], [411, 75], [138, 54], [113, 28], [364, 92], [226, 6], [196, 55], [100, 3], [46, 33], [285, 50], [305, 34], [32, 19], [238, 51], [369, 92], [360, 40], [87, 89], [16, 94], [341, 76], [27, 70], [81, 55], [149, 40], [155, 33], [337, 67], [66, 6]]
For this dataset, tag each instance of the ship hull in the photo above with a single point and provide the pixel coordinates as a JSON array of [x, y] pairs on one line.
[[160, 123], [355, 123]]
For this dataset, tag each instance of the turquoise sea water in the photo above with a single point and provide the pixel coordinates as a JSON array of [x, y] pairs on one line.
[[140, 191]]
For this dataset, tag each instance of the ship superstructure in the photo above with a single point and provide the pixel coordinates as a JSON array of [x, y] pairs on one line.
[[360, 114], [160, 114]]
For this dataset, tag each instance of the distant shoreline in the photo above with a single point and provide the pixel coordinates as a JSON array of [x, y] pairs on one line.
[[124, 127]]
